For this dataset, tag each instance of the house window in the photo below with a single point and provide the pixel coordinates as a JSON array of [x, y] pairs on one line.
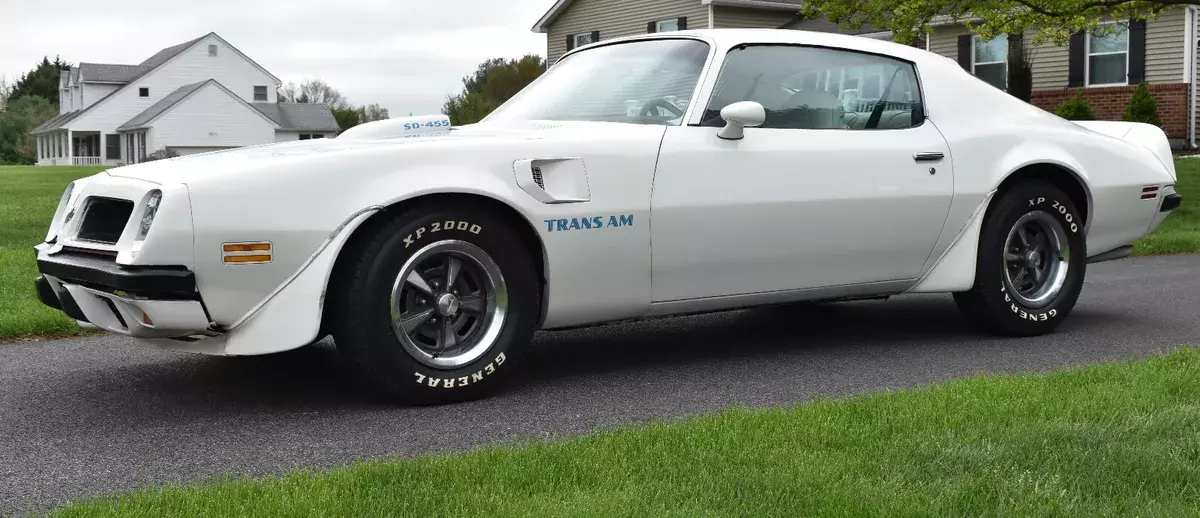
[[318, 135], [212, 50], [1108, 55], [583, 39], [305, 136], [260, 93], [143, 92], [667, 25], [112, 145], [990, 60]]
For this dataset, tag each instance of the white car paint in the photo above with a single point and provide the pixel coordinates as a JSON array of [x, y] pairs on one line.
[[690, 221]]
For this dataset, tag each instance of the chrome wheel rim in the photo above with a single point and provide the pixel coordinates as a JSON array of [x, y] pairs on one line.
[[1037, 256], [448, 304]]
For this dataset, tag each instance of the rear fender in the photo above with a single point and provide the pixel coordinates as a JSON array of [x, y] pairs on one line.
[[954, 269]]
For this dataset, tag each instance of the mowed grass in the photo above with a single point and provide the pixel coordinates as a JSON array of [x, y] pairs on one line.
[[28, 197], [1102, 440], [1180, 232]]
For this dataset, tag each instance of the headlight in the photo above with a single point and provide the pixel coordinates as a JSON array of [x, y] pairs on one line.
[[148, 214], [58, 222]]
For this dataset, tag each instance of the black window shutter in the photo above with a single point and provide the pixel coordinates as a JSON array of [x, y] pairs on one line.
[[570, 42], [1076, 54], [651, 26], [964, 52], [595, 36], [1014, 41], [683, 23], [1137, 51]]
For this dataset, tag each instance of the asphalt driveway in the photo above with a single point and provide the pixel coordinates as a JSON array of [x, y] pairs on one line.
[[89, 416]]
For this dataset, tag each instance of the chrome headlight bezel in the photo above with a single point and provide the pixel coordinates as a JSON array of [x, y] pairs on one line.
[[149, 210], [59, 220]]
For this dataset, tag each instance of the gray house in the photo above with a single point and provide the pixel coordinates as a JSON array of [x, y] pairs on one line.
[[1106, 67]]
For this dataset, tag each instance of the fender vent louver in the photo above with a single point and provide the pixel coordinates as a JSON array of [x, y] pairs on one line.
[[537, 177]]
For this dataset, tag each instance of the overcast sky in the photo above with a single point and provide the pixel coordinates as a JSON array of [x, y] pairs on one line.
[[406, 55]]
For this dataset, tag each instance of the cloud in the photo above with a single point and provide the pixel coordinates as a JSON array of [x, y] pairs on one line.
[[406, 55]]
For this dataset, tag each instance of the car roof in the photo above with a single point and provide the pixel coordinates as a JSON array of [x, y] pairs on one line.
[[727, 38]]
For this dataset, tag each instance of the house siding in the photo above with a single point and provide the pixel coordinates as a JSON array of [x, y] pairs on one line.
[[210, 117], [1164, 47], [1164, 52], [616, 18], [93, 92], [192, 66], [741, 18]]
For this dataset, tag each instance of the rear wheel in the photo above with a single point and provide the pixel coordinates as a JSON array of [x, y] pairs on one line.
[[1031, 262], [437, 305]]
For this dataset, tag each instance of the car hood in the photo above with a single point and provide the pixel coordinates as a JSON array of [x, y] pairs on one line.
[[245, 160]]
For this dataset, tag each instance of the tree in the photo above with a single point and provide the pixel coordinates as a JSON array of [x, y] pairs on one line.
[[1052, 20], [1142, 107], [372, 112], [494, 82], [42, 81], [1020, 71], [21, 115], [350, 117], [346, 118], [314, 91], [317, 91], [5, 91]]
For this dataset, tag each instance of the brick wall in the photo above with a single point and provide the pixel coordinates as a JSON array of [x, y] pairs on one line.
[[1108, 103]]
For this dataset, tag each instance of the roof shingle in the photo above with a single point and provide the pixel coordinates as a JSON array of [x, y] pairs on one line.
[[300, 116], [109, 73]]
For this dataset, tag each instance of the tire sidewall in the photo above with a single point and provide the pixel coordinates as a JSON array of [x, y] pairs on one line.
[[413, 380], [1007, 311]]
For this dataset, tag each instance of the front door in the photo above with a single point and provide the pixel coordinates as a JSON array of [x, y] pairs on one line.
[[845, 183]]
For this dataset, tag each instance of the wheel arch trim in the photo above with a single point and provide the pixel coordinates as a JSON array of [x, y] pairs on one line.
[[954, 269]]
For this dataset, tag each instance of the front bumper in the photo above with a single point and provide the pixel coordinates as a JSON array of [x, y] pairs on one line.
[[143, 302]]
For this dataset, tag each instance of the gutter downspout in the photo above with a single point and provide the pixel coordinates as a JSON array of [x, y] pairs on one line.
[[1189, 71]]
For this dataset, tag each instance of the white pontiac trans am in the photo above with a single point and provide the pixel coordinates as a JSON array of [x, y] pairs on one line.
[[644, 176]]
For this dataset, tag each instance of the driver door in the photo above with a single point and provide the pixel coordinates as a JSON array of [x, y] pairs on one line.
[[825, 193]]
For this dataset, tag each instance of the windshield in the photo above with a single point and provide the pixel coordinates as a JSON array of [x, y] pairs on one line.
[[641, 82]]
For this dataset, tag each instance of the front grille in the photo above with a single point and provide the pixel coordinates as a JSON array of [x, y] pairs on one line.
[[104, 219]]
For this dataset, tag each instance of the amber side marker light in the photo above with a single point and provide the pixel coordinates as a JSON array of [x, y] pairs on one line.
[[246, 253]]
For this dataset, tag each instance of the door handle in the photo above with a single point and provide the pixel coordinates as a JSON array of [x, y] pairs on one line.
[[930, 156]]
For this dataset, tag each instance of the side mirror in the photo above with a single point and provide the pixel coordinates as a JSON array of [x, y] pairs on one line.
[[740, 115]]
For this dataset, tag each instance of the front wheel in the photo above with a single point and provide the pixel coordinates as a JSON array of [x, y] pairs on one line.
[[437, 305], [1031, 262]]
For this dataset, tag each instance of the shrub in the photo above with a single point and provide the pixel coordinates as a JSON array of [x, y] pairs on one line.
[[161, 154], [1142, 107], [1076, 108]]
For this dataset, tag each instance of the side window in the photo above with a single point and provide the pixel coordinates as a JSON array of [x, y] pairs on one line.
[[818, 88]]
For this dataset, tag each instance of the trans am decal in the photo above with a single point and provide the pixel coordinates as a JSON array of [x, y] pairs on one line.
[[588, 223]]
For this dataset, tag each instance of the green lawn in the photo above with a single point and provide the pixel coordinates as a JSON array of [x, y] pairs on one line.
[[28, 197], [1181, 230], [1112, 439]]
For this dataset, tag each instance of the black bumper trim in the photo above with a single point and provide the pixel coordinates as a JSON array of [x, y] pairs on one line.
[[99, 272], [46, 292], [58, 299], [1171, 202]]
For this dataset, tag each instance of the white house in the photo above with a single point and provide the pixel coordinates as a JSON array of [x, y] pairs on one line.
[[197, 96]]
